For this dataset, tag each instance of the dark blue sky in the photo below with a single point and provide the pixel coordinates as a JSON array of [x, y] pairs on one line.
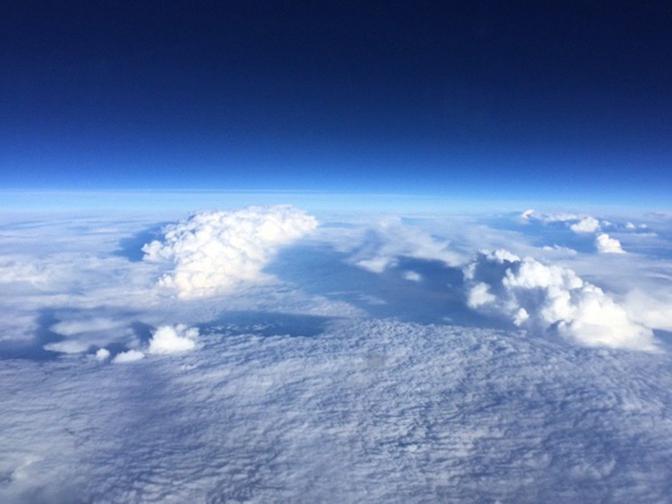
[[491, 99]]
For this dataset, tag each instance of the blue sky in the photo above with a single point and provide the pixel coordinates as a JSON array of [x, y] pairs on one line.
[[485, 101]]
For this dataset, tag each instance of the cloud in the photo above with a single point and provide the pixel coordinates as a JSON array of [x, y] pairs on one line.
[[67, 346], [102, 354], [413, 276], [607, 245], [343, 417], [577, 223], [168, 339], [381, 247], [540, 297], [586, 225], [211, 252], [128, 356]]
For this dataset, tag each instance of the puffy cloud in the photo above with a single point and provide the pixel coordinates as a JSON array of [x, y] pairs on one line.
[[128, 356], [168, 339], [586, 225], [211, 252], [102, 354], [607, 245], [541, 297]]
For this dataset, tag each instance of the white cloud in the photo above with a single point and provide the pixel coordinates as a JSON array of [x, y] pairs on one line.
[[168, 339], [607, 245], [128, 356], [586, 225], [211, 252], [102, 354], [413, 276], [348, 414], [541, 297]]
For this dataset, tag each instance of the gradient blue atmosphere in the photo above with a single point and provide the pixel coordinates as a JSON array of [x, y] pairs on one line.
[[485, 100]]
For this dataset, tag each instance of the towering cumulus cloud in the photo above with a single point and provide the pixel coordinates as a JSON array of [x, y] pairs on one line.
[[608, 245], [210, 252], [541, 297]]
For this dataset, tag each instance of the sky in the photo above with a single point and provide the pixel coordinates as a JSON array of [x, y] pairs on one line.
[[562, 101]]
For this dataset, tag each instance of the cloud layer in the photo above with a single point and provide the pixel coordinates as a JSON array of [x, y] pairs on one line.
[[369, 410], [210, 252], [540, 297]]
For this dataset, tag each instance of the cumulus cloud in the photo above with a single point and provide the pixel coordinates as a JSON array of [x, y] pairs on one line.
[[171, 339], [586, 225], [128, 356], [607, 245], [102, 354], [541, 297], [210, 252]]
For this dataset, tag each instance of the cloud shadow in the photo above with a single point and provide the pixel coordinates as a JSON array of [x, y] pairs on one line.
[[33, 349], [131, 247], [437, 297]]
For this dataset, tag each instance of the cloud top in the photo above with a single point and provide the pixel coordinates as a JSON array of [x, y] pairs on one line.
[[210, 252], [608, 245], [541, 297], [168, 339], [128, 356], [586, 225]]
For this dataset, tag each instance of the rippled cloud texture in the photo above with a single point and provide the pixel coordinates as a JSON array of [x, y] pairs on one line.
[[254, 355]]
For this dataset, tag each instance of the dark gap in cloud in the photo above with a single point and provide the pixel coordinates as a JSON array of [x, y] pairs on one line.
[[131, 247], [143, 331], [664, 336], [116, 348], [34, 348]]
